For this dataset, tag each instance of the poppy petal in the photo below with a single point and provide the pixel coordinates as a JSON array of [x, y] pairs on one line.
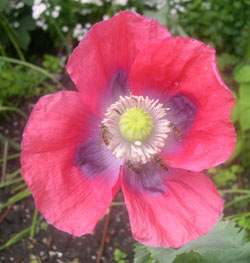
[[186, 67], [100, 65], [187, 209], [70, 196]]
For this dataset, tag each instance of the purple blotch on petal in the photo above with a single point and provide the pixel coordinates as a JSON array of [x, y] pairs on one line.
[[119, 85], [93, 157], [150, 179], [182, 112]]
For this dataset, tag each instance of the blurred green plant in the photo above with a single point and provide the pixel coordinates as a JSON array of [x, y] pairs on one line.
[[227, 176], [120, 257], [236, 73], [18, 83], [24, 23], [52, 63], [25, 81], [222, 24]]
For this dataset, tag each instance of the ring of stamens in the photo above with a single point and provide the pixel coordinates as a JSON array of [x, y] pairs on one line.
[[135, 148]]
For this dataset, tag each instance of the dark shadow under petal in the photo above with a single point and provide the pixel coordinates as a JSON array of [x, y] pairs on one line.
[[150, 179]]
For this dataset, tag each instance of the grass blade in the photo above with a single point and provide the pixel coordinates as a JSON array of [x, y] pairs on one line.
[[18, 188], [12, 143], [7, 108], [240, 199], [16, 198], [34, 223], [8, 183], [14, 174], [10, 157], [16, 238]]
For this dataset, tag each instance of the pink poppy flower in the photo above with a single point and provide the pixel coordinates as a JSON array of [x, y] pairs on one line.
[[151, 113]]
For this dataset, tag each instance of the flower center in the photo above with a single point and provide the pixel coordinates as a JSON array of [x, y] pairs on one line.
[[135, 128], [136, 124]]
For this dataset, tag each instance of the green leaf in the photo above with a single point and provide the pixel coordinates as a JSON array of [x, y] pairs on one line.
[[244, 106], [224, 243], [242, 75], [23, 38], [190, 257], [27, 23], [142, 254], [232, 255]]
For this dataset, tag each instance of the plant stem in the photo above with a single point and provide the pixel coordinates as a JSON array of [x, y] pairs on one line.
[[105, 230], [34, 67], [7, 28]]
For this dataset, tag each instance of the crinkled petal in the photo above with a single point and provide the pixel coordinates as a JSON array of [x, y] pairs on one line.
[[99, 66], [70, 195], [187, 209], [186, 67]]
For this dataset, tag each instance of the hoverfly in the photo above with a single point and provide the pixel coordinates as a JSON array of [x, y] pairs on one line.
[[106, 135], [133, 167], [160, 161]]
